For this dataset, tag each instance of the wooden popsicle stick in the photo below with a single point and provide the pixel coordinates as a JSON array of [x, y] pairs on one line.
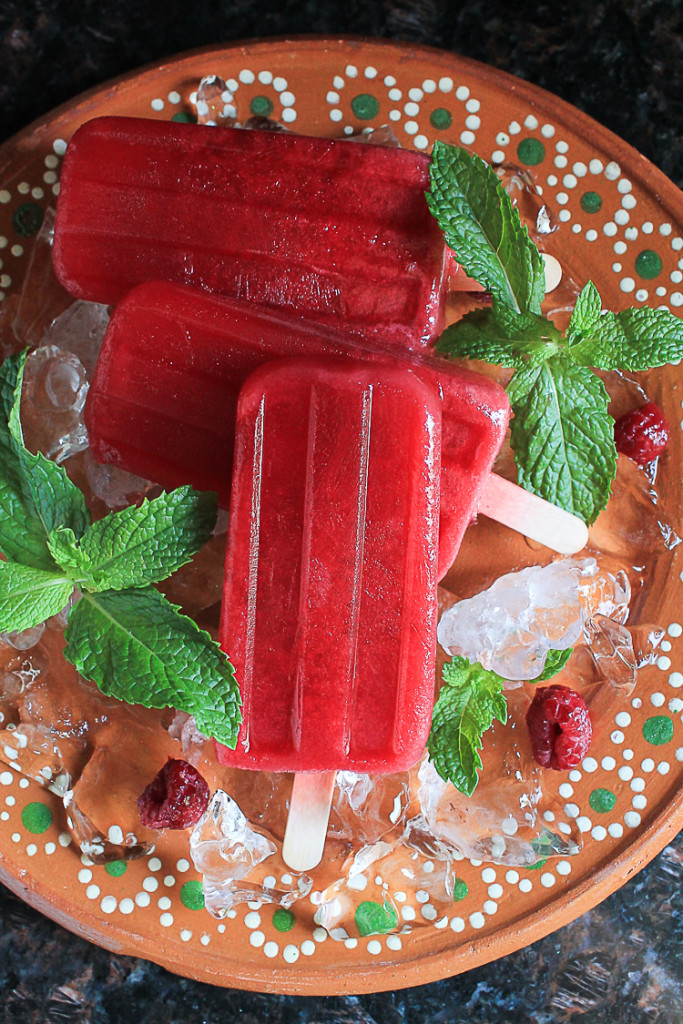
[[535, 517], [309, 813]]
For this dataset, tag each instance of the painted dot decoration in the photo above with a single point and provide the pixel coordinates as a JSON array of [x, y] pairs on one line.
[[602, 801], [365, 106], [27, 219], [460, 890], [530, 151], [649, 264], [192, 895], [591, 202], [116, 868], [36, 818], [441, 119], [658, 730], [261, 106], [283, 919]]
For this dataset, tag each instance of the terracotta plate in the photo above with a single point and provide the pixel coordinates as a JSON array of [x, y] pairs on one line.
[[621, 224]]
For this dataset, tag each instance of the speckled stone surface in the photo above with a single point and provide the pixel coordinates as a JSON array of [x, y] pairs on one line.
[[621, 62]]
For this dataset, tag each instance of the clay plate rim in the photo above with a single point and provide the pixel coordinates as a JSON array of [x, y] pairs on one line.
[[526, 928]]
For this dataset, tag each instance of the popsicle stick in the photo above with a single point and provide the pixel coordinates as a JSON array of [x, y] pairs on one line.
[[309, 812], [535, 517]]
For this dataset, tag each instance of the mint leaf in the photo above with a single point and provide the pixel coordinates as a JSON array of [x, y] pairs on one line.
[[585, 315], [138, 546], [483, 228], [468, 702], [554, 663], [29, 596], [138, 647], [35, 494], [635, 339], [56, 500], [563, 436], [374, 918], [501, 336]]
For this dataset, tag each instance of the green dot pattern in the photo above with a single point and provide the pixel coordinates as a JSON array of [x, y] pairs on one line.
[[658, 730], [283, 920], [185, 117], [531, 152], [365, 106], [27, 219], [460, 890], [648, 264], [116, 868], [591, 202], [602, 800], [36, 818], [441, 118], [192, 895], [261, 106]]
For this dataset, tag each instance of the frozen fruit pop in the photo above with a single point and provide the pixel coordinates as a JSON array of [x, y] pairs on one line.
[[329, 602], [339, 233], [163, 398]]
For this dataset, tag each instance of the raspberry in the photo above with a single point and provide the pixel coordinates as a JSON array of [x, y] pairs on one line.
[[176, 798], [559, 726], [642, 434]]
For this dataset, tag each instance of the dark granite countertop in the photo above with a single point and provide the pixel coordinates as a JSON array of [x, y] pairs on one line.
[[620, 61]]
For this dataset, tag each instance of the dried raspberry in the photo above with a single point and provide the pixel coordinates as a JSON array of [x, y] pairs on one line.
[[642, 434], [176, 798], [559, 727]]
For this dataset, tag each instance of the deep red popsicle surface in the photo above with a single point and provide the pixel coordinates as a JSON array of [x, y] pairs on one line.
[[338, 232], [329, 606], [163, 399]]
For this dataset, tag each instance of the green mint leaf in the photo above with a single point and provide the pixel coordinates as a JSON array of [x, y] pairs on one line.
[[138, 647], [554, 663], [35, 494], [563, 436], [635, 339], [469, 700], [501, 336], [484, 230], [138, 546], [28, 596], [56, 500], [586, 314]]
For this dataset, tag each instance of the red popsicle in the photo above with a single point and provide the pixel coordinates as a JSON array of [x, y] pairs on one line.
[[329, 604], [339, 233], [163, 399]]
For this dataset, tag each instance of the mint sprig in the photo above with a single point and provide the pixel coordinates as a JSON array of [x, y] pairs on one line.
[[468, 702], [562, 433], [122, 633]]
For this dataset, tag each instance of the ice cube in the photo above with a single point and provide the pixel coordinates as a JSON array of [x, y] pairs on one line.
[[115, 487], [53, 396], [365, 807], [80, 330], [229, 853], [510, 627]]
